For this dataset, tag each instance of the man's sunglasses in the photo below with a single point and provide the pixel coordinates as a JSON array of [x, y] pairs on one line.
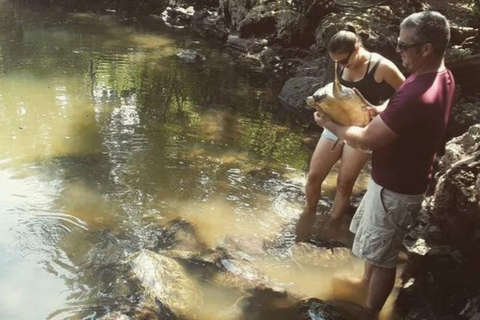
[[345, 61], [402, 46]]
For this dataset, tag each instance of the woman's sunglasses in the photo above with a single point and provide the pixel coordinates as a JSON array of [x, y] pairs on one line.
[[345, 61]]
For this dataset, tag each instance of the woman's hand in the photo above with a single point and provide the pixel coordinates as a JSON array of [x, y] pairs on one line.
[[371, 109], [321, 118]]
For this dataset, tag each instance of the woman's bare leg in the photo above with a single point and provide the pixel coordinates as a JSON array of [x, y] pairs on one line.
[[322, 161], [353, 161]]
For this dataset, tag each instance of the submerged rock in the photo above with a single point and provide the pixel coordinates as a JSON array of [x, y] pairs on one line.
[[166, 280], [316, 309], [190, 56], [309, 254]]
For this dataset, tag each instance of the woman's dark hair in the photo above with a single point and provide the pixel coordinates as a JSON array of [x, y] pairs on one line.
[[344, 41]]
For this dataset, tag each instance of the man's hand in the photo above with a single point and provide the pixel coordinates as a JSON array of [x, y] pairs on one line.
[[371, 109], [321, 118]]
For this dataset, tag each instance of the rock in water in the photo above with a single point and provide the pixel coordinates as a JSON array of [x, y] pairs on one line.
[[166, 280], [310, 254], [340, 103]]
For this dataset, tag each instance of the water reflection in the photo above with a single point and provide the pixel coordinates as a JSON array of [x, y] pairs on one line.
[[108, 139]]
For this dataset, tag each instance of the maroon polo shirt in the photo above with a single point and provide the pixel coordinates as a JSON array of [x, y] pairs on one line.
[[418, 112]]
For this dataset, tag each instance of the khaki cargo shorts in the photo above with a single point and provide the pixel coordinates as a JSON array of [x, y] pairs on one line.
[[380, 223]]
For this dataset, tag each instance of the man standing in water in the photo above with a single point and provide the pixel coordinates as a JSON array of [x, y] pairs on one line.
[[403, 138]]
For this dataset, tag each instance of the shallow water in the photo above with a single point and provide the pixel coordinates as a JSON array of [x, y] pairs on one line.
[[106, 135]]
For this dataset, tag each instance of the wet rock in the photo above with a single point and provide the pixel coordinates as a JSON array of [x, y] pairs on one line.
[[209, 24], [295, 92], [292, 30], [465, 113], [197, 4], [115, 316], [286, 61], [243, 47], [243, 275], [472, 308], [463, 62], [459, 34], [455, 206], [247, 51], [247, 245], [178, 17], [316, 309], [190, 56], [314, 11], [234, 11], [309, 254], [166, 280], [258, 22], [179, 234]]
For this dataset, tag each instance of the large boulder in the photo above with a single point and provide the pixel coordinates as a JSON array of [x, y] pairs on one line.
[[258, 22], [314, 11], [234, 11], [455, 207], [292, 30], [465, 113], [244, 47], [209, 25], [295, 92], [281, 24]]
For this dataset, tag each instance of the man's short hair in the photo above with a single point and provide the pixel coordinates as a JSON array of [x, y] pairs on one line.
[[429, 27]]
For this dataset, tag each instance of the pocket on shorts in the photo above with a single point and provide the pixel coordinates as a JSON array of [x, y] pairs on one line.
[[377, 243], [399, 213]]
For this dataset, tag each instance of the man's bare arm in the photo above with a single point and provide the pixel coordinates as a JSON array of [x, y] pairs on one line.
[[374, 135]]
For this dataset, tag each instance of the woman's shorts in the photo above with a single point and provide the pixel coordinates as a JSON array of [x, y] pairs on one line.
[[329, 135], [381, 222]]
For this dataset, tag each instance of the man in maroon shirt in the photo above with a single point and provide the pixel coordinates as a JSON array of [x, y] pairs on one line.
[[403, 140]]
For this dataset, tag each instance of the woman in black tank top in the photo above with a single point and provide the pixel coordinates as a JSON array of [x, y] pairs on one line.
[[377, 79], [371, 90]]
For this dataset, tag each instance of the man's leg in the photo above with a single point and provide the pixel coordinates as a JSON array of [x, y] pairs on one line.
[[380, 286]]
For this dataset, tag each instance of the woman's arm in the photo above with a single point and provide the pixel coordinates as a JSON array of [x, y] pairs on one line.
[[388, 72]]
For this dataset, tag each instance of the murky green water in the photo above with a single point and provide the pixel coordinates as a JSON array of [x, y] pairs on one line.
[[105, 135]]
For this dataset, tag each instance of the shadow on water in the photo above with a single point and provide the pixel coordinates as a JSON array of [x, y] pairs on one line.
[[111, 143]]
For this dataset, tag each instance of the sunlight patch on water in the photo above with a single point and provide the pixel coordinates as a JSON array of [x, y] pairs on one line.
[[87, 205], [219, 126], [47, 125], [23, 246], [27, 285]]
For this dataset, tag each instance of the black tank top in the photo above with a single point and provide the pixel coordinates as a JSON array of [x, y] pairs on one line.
[[373, 91]]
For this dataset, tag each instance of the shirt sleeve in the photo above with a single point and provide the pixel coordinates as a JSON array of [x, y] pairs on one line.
[[401, 114]]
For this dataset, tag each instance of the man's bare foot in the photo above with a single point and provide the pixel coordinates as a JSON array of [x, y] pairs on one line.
[[358, 283], [368, 314], [349, 288], [304, 226]]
